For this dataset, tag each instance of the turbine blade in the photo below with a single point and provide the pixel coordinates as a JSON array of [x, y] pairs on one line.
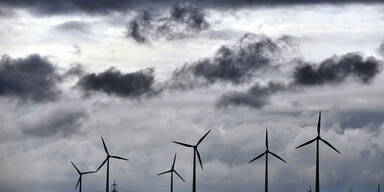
[[266, 138], [165, 172], [306, 143], [326, 142], [278, 157], [102, 164], [183, 144], [174, 160], [178, 175], [202, 138], [117, 157], [88, 172], [318, 124], [198, 156], [75, 167], [105, 147], [256, 157], [78, 182]]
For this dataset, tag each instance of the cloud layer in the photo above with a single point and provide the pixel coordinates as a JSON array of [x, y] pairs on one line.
[[235, 64], [182, 21], [257, 96], [105, 6]]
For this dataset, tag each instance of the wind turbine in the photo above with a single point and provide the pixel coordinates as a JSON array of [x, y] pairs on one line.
[[172, 170], [266, 152], [107, 160], [195, 152], [317, 139], [81, 175]]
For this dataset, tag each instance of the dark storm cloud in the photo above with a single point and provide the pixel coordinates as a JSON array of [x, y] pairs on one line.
[[74, 26], [107, 6], [113, 82], [331, 71], [182, 21], [257, 96], [234, 64], [337, 69], [31, 78], [62, 121]]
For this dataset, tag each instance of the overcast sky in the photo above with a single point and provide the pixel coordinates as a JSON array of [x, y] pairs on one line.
[[143, 74]]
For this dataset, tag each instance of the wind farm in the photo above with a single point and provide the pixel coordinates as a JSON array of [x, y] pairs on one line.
[[197, 157]]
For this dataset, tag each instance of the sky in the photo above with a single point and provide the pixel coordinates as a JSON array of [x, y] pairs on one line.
[[144, 74]]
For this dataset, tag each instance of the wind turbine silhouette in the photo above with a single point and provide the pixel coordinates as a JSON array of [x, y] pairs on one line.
[[317, 139], [266, 152], [81, 175], [172, 170], [195, 152], [107, 160]]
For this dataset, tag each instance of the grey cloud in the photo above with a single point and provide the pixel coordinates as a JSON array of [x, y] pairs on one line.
[[257, 96], [182, 21], [74, 26], [137, 25], [53, 7], [31, 78], [113, 82], [381, 49], [234, 64], [337, 69], [254, 55], [60, 121], [77, 49], [358, 119], [75, 70], [331, 71], [6, 13]]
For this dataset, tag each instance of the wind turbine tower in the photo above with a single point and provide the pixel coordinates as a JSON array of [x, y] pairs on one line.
[[266, 152], [172, 170], [107, 158], [318, 139], [195, 153]]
